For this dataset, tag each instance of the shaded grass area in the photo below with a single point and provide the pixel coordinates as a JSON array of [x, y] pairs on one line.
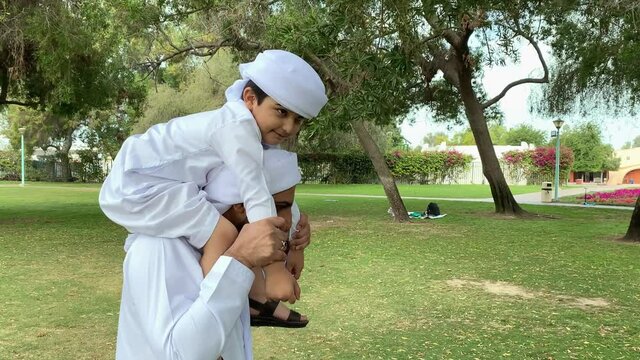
[[372, 288], [437, 191]]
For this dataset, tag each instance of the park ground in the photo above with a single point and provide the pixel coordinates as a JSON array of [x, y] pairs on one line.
[[472, 285]]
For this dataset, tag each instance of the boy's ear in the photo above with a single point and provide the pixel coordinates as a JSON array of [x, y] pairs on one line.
[[249, 97]]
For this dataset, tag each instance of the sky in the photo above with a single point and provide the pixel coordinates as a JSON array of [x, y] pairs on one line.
[[616, 131]]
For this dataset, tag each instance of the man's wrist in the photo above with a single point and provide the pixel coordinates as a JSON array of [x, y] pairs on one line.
[[239, 257]]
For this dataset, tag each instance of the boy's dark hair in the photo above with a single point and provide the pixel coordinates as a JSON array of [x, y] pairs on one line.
[[260, 95]]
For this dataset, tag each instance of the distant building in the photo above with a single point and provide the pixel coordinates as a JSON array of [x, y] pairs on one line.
[[629, 172]]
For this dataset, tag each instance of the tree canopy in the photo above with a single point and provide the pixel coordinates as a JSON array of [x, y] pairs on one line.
[[590, 153], [65, 57], [596, 45]]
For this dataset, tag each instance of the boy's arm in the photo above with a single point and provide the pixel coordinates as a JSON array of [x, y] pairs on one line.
[[150, 189], [150, 205], [240, 149]]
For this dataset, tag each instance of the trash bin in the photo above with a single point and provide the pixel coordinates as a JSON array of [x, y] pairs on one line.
[[546, 189]]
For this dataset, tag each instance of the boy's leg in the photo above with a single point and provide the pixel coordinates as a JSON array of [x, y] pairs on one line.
[[258, 293], [220, 240], [280, 284]]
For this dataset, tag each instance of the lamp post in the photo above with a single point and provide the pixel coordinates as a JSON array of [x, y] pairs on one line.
[[21, 130], [558, 124]]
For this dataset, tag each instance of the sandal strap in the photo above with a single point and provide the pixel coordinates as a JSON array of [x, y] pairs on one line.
[[294, 316], [267, 308]]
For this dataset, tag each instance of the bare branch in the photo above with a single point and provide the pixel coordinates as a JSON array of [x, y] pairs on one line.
[[544, 79]]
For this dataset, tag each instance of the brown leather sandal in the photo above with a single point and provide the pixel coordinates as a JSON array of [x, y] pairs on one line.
[[265, 316]]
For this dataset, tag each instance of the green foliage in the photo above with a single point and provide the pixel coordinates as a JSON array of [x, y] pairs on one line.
[[329, 140], [9, 165], [407, 166], [526, 133], [591, 154], [337, 168], [596, 44], [538, 163], [435, 139], [88, 168], [632, 144], [203, 90], [65, 58], [427, 167]]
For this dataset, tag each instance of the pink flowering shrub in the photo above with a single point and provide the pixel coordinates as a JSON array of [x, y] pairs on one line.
[[617, 197], [540, 161]]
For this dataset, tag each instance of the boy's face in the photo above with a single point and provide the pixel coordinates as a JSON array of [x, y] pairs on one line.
[[276, 123]]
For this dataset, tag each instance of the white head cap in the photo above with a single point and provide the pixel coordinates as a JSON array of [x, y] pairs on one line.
[[281, 172], [285, 77]]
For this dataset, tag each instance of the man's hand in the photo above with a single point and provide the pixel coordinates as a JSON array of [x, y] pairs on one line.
[[302, 236], [260, 243], [295, 263]]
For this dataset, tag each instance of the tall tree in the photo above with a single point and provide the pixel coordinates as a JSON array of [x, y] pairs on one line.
[[366, 76], [435, 139], [526, 133], [597, 44], [590, 153], [450, 43], [67, 59], [632, 144]]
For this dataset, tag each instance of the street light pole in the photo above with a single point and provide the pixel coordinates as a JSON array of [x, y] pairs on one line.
[[558, 124], [22, 154]]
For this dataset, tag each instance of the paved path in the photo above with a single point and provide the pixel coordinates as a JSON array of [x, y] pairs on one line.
[[528, 199]]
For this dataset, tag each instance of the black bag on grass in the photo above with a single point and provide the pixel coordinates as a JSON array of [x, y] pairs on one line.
[[433, 209]]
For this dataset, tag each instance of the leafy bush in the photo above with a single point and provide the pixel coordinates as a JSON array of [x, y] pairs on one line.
[[427, 167], [332, 168], [89, 167], [406, 166], [539, 162], [9, 165]]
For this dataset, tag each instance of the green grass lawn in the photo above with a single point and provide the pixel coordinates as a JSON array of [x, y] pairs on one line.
[[437, 191], [471, 285]]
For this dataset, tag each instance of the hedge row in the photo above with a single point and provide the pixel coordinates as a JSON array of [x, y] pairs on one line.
[[406, 166], [48, 168]]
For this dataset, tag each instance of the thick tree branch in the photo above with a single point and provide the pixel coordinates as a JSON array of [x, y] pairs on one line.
[[213, 48], [19, 103], [341, 86], [544, 79]]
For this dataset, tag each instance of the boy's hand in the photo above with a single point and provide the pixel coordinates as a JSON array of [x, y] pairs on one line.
[[302, 236], [295, 263], [260, 243]]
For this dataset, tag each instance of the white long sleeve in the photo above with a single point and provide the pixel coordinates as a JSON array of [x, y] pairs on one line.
[[154, 187], [169, 311], [240, 149]]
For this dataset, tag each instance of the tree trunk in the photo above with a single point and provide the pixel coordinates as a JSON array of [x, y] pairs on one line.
[[503, 199], [382, 170], [64, 156], [633, 233]]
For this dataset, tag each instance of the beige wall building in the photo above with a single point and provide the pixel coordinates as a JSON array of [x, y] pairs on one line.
[[629, 172]]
